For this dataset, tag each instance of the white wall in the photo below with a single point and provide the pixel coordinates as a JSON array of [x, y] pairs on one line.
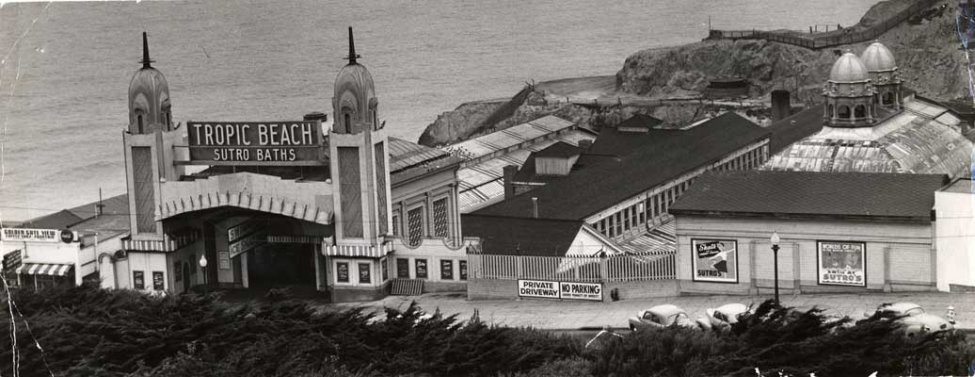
[[955, 238], [898, 256]]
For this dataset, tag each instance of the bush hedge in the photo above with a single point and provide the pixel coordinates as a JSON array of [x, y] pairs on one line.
[[93, 332]]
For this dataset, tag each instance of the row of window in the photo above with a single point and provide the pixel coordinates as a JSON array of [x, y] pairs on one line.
[[639, 214], [416, 222]]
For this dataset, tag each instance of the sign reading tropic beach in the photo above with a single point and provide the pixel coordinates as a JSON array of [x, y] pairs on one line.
[[715, 260], [842, 263], [267, 143]]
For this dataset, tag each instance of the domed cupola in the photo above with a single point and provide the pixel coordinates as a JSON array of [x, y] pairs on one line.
[[849, 94], [883, 75], [149, 106], [354, 102]]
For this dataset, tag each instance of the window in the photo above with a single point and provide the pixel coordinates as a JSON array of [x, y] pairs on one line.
[[463, 269], [446, 269], [618, 221], [347, 124], [384, 263], [440, 218], [421, 268], [178, 271], [414, 219], [396, 231], [859, 111], [342, 272], [138, 280], [642, 210], [403, 268], [138, 118], [844, 112], [365, 273]]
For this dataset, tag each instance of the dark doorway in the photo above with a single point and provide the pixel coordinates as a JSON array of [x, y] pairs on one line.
[[281, 265], [186, 277]]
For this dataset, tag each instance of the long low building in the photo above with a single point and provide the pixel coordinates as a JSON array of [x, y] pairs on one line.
[[839, 232]]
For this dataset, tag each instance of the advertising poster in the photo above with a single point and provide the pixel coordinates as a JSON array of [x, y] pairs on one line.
[[158, 283], [223, 260], [342, 272], [402, 268], [447, 269], [714, 260], [582, 291], [364, 273], [138, 280], [538, 288], [842, 263], [463, 270], [421, 268]]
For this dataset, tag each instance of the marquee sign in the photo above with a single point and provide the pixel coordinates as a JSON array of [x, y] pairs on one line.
[[842, 263], [250, 143]]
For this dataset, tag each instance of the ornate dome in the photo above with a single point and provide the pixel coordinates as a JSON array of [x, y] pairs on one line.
[[848, 68], [878, 57], [354, 101], [148, 95]]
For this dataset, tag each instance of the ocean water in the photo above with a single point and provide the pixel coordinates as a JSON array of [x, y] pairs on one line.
[[66, 66]]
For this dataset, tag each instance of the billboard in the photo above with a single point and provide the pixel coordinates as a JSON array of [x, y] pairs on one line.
[[248, 143], [842, 263], [36, 235], [714, 260], [581, 291]]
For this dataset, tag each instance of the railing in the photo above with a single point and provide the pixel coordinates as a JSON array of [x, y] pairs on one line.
[[817, 41], [623, 267]]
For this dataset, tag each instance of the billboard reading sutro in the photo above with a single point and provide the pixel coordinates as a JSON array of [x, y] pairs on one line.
[[268, 143]]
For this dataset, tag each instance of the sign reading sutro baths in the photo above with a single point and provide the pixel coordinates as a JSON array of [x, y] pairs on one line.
[[267, 143]]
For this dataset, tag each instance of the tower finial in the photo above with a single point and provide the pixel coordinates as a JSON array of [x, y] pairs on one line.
[[145, 51], [352, 55]]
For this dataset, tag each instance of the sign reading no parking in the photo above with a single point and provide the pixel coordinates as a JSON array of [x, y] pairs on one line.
[[560, 290]]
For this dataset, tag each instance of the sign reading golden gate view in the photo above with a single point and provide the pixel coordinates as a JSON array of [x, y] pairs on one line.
[[842, 263], [267, 143], [714, 260]]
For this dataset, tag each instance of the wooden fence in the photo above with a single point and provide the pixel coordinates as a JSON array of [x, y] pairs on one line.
[[828, 39], [625, 267]]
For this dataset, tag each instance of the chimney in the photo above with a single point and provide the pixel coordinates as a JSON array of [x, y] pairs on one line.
[[585, 144], [534, 207], [781, 108], [316, 116], [100, 207], [509, 181]]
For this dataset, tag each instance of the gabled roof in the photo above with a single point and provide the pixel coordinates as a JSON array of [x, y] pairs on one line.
[[521, 236], [639, 122], [907, 197], [794, 128], [58, 220], [559, 150], [604, 180]]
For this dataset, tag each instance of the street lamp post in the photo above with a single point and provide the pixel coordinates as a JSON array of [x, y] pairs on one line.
[[775, 262], [203, 265]]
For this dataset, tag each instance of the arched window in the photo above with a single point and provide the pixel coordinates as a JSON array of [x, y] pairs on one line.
[[832, 113], [138, 118], [346, 123], [888, 98], [860, 111], [843, 112]]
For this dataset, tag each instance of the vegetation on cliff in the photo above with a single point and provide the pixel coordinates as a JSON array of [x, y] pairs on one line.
[[93, 332]]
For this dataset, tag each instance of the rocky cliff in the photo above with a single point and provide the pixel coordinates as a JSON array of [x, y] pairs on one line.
[[927, 55]]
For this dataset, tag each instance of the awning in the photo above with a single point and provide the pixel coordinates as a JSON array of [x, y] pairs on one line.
[[52, 269]]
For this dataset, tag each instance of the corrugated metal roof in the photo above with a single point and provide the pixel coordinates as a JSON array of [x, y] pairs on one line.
[[512, 136], [404, 154]]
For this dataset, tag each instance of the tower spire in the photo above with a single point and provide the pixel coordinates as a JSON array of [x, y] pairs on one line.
[[145, 51], [352, 55]]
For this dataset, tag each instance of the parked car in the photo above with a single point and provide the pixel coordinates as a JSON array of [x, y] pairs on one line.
[[722, 317], [912, 316], [829, 314], [661, 316]]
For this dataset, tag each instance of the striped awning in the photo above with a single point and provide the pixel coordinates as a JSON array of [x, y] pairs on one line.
[[52, 269]]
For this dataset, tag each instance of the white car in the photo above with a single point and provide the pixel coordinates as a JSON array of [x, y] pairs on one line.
[[661, 316], [913, 318], [722, 317]]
